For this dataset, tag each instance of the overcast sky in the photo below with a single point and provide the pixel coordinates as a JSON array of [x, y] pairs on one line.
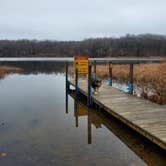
[[80, 19]]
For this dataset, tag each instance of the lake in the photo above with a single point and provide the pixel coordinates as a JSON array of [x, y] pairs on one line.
[[42, 125]]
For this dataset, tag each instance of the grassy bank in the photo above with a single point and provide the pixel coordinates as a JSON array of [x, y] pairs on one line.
[[5, 70], [150, 79]]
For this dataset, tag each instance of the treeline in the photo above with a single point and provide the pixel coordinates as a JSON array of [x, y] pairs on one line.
[[130, 45]]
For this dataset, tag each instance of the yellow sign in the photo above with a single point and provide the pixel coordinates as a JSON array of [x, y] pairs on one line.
[[81, 63]]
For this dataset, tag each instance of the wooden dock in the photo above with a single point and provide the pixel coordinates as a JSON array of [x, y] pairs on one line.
[[143, 116]]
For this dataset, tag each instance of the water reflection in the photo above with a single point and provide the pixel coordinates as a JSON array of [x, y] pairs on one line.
[[44, 126], [146, 150]]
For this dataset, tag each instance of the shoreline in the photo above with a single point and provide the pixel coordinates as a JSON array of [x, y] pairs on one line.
[[6, 70]]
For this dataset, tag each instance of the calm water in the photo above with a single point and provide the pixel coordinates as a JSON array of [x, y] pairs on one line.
[[37, 130]]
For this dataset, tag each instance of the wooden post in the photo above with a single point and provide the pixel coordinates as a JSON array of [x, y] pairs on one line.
[[76, 82], [130, 88], [67, 85], [66, 102], [89, 129], [94, 72], [89, 86], [76, 112], [67, 82], [110, 73]]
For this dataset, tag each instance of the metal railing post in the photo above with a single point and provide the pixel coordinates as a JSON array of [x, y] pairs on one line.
[[130, 88], [67, 77], [89, 129], [110, 73], [94, 72], [89, 86], [76, 82], [76, 112]]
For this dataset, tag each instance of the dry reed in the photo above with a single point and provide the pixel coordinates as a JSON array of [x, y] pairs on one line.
[[149, 78], [5, 70]]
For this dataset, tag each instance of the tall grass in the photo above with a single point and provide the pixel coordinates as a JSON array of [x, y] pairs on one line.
[[5, 70], [150, 79]]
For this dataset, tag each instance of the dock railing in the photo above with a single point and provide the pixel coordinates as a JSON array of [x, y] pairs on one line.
[[110, 62]]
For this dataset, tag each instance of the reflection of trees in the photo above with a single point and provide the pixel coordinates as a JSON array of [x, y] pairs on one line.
[[38, 67]]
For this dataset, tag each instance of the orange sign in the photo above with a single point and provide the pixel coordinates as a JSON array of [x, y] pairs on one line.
[[81, 63]]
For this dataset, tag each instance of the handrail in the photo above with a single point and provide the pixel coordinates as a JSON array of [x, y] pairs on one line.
[[118, 60]]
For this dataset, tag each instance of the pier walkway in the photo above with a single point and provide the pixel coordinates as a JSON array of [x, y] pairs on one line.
[[143, 116]]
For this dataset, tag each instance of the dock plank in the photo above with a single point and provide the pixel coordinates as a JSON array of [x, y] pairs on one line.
[[145, 117]]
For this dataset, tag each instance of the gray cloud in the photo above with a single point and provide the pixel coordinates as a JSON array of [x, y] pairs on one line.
[[79, 19]]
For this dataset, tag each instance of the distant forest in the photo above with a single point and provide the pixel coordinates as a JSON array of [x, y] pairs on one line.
[[130, 45]]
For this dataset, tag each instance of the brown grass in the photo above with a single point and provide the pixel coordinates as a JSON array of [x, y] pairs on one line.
[[148, 77], [5, 70]]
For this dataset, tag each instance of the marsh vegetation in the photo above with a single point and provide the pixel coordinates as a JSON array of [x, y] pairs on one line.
[[5, 70], [149, 79]]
